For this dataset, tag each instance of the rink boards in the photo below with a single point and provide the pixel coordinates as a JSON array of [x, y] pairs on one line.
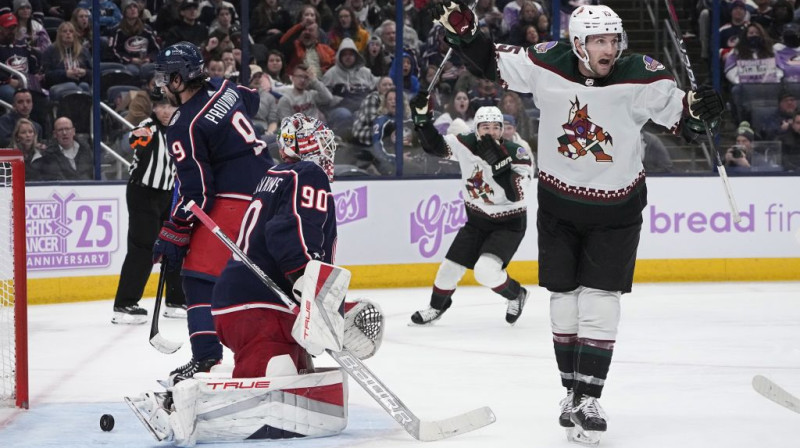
[[393, 233]]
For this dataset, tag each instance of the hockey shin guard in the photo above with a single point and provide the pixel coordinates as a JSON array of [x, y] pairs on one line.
[[592, 361], [564, 345]]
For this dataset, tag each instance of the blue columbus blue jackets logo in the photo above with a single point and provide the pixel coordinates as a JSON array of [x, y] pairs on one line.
[[651, 64]]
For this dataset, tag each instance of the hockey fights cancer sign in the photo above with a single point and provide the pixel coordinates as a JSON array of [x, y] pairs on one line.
[[67, 232], [73, 231]]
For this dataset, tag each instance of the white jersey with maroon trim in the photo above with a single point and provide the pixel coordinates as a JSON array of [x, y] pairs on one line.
[[590, 145], [481, 192]]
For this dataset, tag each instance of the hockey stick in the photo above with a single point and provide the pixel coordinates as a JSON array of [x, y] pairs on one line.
[[772, 391], [421, 430], [158, 341], [439, 71], [676, 31]]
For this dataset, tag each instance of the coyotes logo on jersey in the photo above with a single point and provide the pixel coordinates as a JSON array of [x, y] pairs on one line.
[[477, 187], [582, 136]]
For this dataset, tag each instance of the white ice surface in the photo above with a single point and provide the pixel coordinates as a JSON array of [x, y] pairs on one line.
[[680, 377]]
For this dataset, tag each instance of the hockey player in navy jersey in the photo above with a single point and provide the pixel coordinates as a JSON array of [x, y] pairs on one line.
[[273, 391], [219, 161], [291, 221], [591, 188]]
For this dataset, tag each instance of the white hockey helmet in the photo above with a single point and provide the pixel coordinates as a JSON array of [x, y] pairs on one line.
[[306, 138], [591, 20], [488, 114]]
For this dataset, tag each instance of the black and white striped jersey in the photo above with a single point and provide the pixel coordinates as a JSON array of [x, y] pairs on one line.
[[152, 166]]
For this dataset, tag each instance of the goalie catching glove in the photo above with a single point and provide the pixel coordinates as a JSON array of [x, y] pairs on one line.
[[363, 328], [458, 21]]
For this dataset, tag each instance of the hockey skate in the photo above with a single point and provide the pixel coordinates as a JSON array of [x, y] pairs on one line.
[[129, 315], [174, 311], [427, 316], [514, 308], [189, 369], [566, 409], [589, 420]]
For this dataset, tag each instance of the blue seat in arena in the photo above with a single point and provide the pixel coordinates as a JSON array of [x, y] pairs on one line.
[[108, 66], [111, 78], [77, 107]]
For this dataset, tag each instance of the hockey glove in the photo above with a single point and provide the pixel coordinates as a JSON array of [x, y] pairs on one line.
[[458, 21], [171, 245], [488, 150], [420, 109], [705, 104]]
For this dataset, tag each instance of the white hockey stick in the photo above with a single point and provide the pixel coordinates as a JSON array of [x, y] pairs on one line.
[[772, 391], [421, 430], [158, 341]]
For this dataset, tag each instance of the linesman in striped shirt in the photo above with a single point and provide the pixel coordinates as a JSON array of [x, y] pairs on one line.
[[149, 197]]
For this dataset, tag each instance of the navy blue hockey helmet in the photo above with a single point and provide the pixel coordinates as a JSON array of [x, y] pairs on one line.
[[183, 58]]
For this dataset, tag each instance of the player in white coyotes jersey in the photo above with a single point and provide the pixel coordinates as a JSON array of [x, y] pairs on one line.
[[591, 187], [495, 174]]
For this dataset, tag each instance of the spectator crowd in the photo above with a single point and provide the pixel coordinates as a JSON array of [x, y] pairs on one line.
[[335, 60]]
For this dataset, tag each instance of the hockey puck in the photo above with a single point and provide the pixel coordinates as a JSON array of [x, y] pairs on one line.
[[107, 422]]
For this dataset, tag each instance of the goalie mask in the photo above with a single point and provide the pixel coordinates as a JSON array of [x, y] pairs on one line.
[[307, 138], [592, 20]]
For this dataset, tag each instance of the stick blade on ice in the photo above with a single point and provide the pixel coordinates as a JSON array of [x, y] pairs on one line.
[[453, 426], [164, 345], [772, 391]]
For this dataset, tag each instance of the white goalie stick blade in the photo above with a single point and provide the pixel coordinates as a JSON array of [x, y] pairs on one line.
[[143, 418], [453, 426], [772, 391], [426, 431], [164, 345]]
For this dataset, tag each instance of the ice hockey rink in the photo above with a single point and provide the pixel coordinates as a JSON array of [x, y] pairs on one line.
[[680, 377]]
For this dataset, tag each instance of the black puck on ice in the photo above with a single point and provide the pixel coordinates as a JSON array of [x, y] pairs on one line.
[[107, 422]]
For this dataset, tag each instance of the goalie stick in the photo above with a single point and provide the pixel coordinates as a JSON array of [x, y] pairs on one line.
[[676, 31], [772, 391], [158, 341], [419, 429]]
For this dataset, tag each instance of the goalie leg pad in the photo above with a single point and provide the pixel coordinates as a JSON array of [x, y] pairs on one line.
[[295, 406], [257, 335]]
